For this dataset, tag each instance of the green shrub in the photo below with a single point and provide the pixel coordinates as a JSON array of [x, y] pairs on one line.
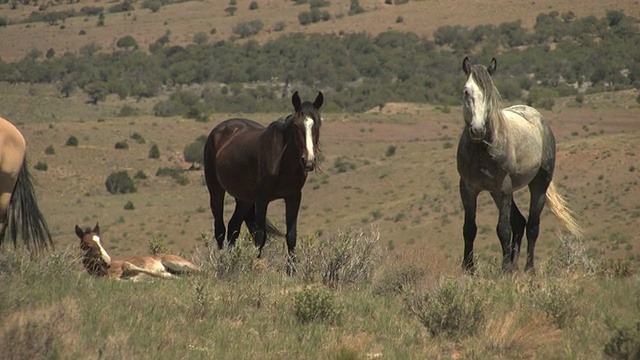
[[193, 152], [154, 152], [157, 245], [391, 150], [122, 145], [138, 138], [556, 298], [129, 205], [120, 182], [128, 110], [176, 173], [72, 141], [453, 310], [140, 175], [50, 150], [247, 29], [237, 261], [315, 304], [624, 344], [41, 166], [342, 165]]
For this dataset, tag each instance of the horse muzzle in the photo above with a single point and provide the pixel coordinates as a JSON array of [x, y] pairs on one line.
[[308, 165], [477, 133]]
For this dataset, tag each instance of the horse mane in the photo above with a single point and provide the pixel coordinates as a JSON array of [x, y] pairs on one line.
[[495, 117]]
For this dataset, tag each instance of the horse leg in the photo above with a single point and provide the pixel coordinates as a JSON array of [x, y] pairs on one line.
[[261, 225], [292, 207], [239, 214], [538, 197], [518, 223], [252, 225], [216, 203], [469, 230], [503, 200]]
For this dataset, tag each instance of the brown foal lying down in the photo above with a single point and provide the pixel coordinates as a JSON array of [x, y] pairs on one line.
[[97, 261]]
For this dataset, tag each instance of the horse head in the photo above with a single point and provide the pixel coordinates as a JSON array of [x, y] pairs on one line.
[[306, 120], [96, 260], [478, 98]]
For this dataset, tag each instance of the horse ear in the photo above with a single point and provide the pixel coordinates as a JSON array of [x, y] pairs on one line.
[[492, 66], [319, 100], [96, 229], [79, 232], [295, 100], [466, 65]]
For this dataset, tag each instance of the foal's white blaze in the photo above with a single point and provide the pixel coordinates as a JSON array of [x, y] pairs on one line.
[[103, 252], [477, 105], [308, 125]]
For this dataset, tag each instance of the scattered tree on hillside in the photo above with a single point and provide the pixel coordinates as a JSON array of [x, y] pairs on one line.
[[96, 92], [231, 10], [246, 29], [127, 42]]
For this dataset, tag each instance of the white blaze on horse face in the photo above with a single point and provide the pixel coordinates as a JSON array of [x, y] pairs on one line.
[[103, 252], [308, 133], [476, 102]]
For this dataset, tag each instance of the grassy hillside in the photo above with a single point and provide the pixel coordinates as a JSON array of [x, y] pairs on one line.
[[380, 238], [183, 20], [393, 167]]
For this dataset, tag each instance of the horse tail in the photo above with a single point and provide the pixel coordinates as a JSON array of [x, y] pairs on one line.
[[560, 208], [273, 230], [208, 155], [24, 216]]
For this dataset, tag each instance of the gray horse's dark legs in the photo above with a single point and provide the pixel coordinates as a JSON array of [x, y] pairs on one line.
[[503, 202], [469, 229], [239, 215], [518, 223]]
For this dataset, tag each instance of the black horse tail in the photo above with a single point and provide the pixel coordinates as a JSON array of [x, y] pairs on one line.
[[273, 230], [24, 216]]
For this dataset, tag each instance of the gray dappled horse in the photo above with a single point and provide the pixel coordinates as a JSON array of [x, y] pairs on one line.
[[257, 164], [501, 151]]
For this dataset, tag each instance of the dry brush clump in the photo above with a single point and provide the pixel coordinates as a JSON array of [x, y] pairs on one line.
[[571, 256], [453, 310], [346, 258]]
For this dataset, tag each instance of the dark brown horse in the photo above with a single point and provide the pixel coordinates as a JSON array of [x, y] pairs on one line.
[[256, 165]]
